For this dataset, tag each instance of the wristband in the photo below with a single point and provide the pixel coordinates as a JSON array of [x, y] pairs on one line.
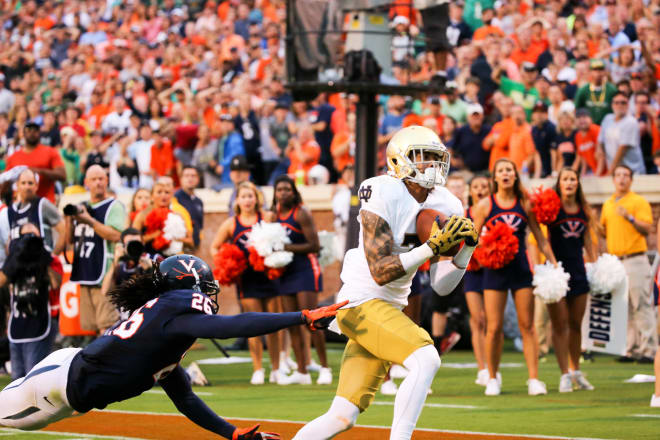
[[414, 258], [462, 257]]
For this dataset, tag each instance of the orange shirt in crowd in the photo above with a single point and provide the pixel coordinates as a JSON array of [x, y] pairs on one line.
[[96, 115], [162, 157], [586, 144], [521, 144], [312, 150], [485, 31], [405, 9], [44, 23], [500, 133], [531, 54], [41, 157], [345, 158]]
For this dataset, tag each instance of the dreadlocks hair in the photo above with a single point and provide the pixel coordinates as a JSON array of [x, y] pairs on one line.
[[137, 290]]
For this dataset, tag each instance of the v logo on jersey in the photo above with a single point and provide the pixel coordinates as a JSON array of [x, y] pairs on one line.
[[188, 266], [512, 220], [571, 229]]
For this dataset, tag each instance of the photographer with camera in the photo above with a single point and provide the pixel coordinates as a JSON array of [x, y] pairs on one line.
[[130, 259], [34, 277], [93, 228], [28, 207]]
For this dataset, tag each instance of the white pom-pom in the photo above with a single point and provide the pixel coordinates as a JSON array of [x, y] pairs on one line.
[[267, 238], [175, 227], [175, 248], [550, 282], [606, 275], [327, 254], [278, 259]]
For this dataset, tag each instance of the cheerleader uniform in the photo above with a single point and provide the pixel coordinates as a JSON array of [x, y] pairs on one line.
[[304, 272], [473, 279], [566, 235], [251, 284], [517, 274]]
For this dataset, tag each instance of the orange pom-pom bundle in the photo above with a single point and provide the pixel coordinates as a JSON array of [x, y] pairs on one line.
[[497, 247], [256, 260], [257, 263], [425, 267], [230, 263], [155, 221], [545, 204]]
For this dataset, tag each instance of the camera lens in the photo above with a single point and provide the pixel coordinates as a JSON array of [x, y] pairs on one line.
[[70, 209], [134, 249]]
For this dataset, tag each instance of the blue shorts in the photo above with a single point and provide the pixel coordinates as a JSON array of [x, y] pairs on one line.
[[416, 287], [577, 284], [515, 275], [473, 281], [303, 274]]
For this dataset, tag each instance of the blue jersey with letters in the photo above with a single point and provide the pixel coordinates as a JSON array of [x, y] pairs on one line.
[[30, 213], [515, 217], [133, 355], [252, 284]]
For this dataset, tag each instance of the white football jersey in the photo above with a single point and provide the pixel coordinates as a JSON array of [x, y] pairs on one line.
[[388, 197]]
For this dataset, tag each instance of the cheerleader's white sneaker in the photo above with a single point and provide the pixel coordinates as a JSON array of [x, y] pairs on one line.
[[296, 378], [482, 377], [258, 377], [313, 367], [325, 377], [580, 381], [493, 388], [535, 387], [389, 388], [655, 401], [275, 376], [565, 383]]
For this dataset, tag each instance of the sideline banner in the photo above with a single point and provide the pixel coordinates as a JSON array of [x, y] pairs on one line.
[[70, 305], [605, 322]]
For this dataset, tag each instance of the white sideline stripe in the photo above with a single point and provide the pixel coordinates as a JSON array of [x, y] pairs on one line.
[[650, 416], [78, 435], [435, 405], [449, 431], [199, 393]]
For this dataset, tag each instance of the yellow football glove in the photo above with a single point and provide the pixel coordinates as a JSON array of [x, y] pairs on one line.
[[451, 234], [469, 233]]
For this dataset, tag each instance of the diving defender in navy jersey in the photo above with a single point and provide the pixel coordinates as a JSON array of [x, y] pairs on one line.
[[171, 307]]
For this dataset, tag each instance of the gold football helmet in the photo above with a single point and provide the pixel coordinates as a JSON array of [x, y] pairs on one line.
[[413, 146]]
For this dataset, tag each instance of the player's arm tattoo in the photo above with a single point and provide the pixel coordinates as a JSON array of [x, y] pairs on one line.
[[378, 242]]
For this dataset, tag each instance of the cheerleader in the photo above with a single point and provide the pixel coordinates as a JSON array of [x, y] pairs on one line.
[[478, 189], [255, 291], [569, 234], [162, 194], [510, 204], [139, 202], [301, 281]]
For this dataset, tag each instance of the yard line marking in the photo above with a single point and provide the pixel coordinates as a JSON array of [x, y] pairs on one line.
[[199, 393], [650, 416], [11, 431], [435, 405], [449, 431]]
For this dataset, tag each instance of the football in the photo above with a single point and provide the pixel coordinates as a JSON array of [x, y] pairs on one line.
[[425, 219]]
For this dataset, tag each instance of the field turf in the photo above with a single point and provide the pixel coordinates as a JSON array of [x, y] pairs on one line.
[[614, 410]]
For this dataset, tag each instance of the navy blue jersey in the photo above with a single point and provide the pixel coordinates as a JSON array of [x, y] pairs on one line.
[[137, 352], [515, 217], [304, 272], [252, 284], [18, 216], [566, 235], [89, 257]]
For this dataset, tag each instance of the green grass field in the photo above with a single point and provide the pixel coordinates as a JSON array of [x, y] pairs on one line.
[[611, 411]]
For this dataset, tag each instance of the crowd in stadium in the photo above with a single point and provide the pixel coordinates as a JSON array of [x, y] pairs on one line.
[[158, 98]]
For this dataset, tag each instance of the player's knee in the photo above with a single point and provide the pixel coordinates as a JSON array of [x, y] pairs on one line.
[[344, 413], [424, 359]]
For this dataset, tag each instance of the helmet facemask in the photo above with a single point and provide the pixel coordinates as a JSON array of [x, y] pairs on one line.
[[208, 288], [435, 157]]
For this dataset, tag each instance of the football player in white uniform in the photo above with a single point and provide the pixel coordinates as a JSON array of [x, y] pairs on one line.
[[377, 276]]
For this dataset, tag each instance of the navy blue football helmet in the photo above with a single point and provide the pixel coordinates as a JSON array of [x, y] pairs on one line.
[[188, 272]]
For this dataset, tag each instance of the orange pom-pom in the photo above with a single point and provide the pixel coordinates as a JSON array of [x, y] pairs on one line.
[[498, 246], [425, 267], [230, 263], [274, 272], [473, 265], [155, 221], [256, 260], [545, 204]]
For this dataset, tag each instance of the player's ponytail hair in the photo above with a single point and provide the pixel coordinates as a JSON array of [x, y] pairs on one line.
[[137, 290]]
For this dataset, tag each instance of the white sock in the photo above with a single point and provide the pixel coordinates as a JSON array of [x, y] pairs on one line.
[[340, 417], [422, 365]]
